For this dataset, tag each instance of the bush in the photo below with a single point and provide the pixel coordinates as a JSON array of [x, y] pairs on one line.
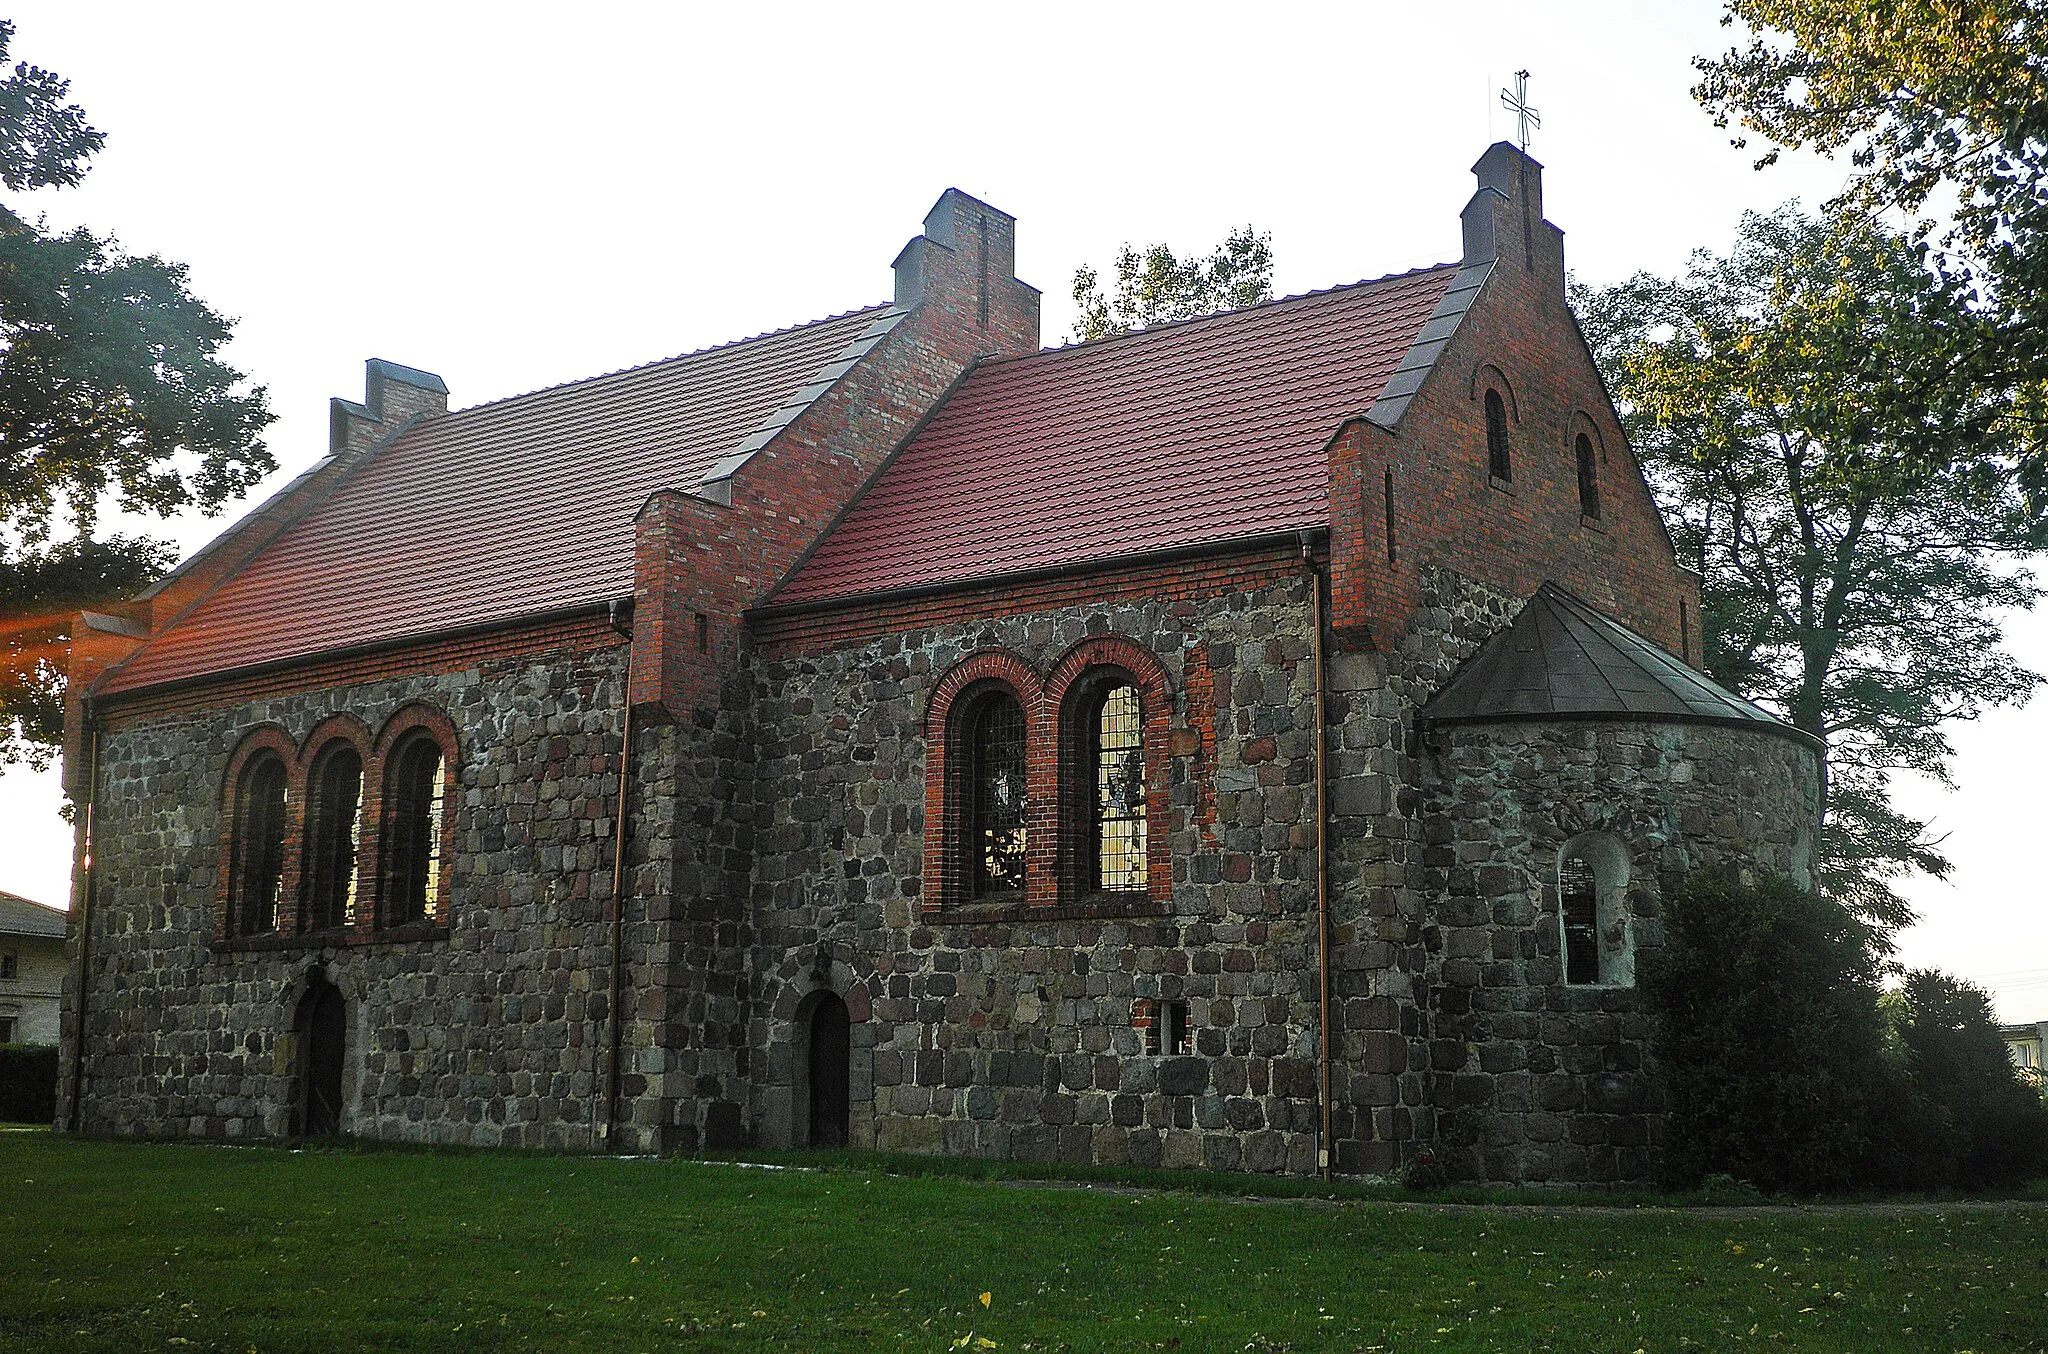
[[28, 1084], [1996, 1126], [1770, 1038]]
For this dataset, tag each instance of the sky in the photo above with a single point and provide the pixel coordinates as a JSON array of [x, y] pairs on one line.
[[517, 195]]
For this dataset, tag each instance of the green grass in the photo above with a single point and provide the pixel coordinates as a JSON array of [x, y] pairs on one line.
[[110, 1246]]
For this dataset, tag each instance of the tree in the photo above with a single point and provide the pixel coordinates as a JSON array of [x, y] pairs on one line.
[[1840, 473], [110, 384], [1939, 104], [1769, 1037], [1995, 1125], [1156, 287]]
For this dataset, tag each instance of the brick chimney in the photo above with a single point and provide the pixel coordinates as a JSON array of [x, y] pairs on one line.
[[1504, 220], [965, 264], [393, 394]]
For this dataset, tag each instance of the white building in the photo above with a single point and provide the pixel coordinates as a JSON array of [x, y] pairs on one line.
[[31, 970]]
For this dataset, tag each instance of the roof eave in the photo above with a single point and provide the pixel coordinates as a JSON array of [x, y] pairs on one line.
[[1773, 727]]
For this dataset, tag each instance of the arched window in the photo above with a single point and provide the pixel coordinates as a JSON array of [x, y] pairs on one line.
[[1589, 476], [1498, 463], [256, 865], [994, 840], [334, 834], [416, 792], [1116, 827], [1597, 941]]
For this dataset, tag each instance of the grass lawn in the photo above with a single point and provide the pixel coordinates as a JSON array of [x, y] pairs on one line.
[[108, 1246]]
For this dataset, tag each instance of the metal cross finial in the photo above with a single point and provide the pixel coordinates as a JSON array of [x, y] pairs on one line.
[[1516, 101]]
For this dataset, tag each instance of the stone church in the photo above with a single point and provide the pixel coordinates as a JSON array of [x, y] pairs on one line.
[[1261, 743]]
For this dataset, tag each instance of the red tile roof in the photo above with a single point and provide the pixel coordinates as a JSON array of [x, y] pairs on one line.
[[1181, 435], [491, 513]]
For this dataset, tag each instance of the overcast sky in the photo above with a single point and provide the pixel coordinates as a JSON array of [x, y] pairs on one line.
[[512, 197]]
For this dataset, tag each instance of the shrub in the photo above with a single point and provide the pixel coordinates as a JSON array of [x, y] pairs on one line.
[[1997, 1127], [1769, 1036], [28, 1084]]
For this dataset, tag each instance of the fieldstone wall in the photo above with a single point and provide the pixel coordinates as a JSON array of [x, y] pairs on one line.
[[1386, 940], [777, 846], [1536, 1079], [1014, 1037], [486, 1035]]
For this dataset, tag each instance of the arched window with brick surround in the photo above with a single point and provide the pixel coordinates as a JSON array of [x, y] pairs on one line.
[[254, 811], [981, 784], [334, 835], [997, 774], [1112, 829], [1500, 463], [1589, 475], [416, 752], [1114, 706]]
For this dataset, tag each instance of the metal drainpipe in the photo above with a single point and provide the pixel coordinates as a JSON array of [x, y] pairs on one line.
[[617, 910], [1315, 585], [74, 1116]]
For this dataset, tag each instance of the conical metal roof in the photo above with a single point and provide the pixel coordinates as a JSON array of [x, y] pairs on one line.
[[1561, 659]]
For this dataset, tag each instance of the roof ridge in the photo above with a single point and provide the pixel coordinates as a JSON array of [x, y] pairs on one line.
[[673, 357], [1232, 313]]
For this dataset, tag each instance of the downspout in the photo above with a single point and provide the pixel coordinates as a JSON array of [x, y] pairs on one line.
[[74, 1116], [621, 622], [1315, 611]]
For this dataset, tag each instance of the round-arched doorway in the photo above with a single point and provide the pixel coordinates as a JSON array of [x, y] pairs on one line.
[[829, 1072], [322, 1028]]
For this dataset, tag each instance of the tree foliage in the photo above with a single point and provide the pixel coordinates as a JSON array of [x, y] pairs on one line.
[[111, 385], [40, 592], [1988, 1126], [1155, 286], [1840, 472], [1941, 107], [1785, 1065], [1768, 1035]]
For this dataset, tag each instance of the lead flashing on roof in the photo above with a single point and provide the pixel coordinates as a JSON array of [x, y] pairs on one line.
[[113, 625], [1430, 342], [717, 482], [1541, 668], [404, 375]]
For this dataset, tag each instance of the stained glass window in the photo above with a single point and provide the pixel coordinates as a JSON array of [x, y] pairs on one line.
[[996, 841], [1579, 902], [413, 840], [334, 839], [259, 844], [1120, 790]]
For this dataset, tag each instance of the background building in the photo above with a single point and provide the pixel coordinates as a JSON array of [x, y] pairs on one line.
[[31, 970]]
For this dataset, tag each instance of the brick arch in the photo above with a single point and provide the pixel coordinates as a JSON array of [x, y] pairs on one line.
[[418, 715], [1581, 425], [944, 816], [1486, 375], [335, 728], [1583, 422], [1080, 671], [997, 665], [416, 719], [270, 738]]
